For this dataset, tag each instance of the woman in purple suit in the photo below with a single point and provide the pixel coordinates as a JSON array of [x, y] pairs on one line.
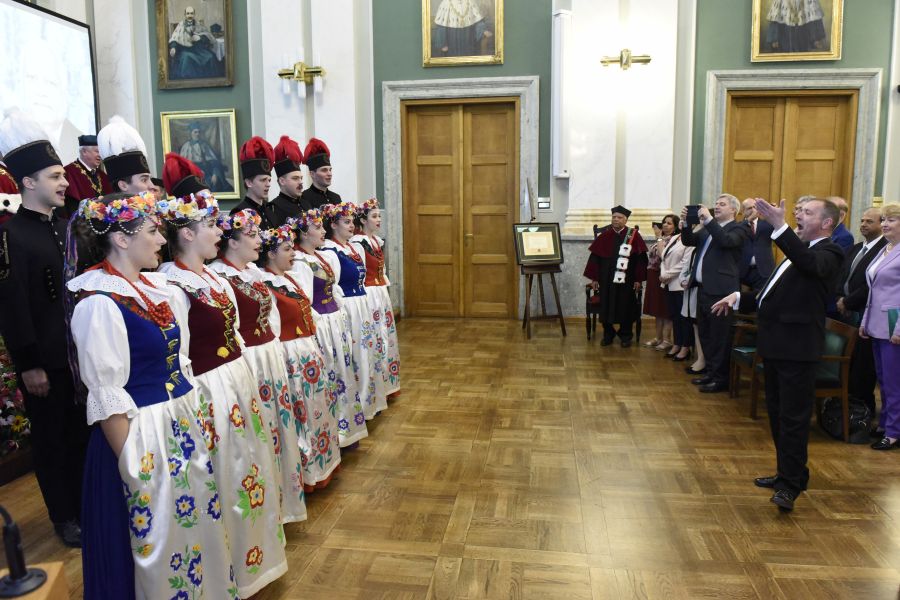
[[879, 322]]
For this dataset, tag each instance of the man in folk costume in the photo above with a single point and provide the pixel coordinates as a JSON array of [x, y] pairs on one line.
[[86, 178], [318, 160], [181, 177], [257, 156], [33, 320], [124, 156], [10, 199], [158, 187], [288, 159], [617, 266]]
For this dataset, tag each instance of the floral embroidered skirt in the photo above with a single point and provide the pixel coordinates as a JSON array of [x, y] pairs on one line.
[[364, 346], [248, 484], [383, 315], [267, 361], [170, 516], [333, 335], [314, 411]]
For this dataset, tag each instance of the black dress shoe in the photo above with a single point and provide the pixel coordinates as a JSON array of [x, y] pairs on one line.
[[605, 342], [765, 482], [714, 387], [626, 343], [875, 434], [691, 371], [677, 358], [885, 444], [785, 500], [702, 380], [69, 532]]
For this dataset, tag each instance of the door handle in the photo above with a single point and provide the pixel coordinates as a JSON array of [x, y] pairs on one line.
[[469, 235]]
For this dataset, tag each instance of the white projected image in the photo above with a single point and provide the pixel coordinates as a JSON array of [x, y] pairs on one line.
[[47, 72]]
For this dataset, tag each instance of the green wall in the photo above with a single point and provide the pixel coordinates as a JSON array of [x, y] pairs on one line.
[[236, 96], [397, 33], [723, 42]]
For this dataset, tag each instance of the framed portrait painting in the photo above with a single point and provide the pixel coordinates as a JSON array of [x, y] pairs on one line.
[[796, 30], [208, 138], [462, 32], [538, 244], [195, 45]]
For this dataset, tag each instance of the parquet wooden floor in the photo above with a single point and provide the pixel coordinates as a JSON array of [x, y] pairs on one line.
[[558, 469]]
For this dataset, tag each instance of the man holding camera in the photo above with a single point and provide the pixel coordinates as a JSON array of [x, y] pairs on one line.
[[716, 273]]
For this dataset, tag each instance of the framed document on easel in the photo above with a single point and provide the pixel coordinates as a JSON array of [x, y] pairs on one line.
[[539, 252]]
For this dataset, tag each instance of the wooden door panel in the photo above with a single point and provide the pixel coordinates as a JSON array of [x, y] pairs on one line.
[[490, 156], [431, 215], [753, 146]]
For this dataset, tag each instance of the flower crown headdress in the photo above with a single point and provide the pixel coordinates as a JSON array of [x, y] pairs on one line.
[[190, 208], [273, 238], [229, 224], [370, 204], [334, 212], [311, 217], [120, 210]]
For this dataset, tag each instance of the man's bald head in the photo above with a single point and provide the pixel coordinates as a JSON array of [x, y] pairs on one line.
[[841, 204]]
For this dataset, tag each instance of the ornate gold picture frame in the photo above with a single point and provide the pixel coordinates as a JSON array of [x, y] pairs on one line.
[[796, 30], [195, 44], [462, 32], [209, 139]]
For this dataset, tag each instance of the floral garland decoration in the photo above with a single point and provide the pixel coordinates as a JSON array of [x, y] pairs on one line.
[[370, 204], [306, 219], [239, 221], [120, 210], [14, 425], [273, 238], [187, 209], [333, 212]]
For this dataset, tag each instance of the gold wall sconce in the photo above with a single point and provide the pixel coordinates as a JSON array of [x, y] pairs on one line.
[[302, 72], [625, 59]]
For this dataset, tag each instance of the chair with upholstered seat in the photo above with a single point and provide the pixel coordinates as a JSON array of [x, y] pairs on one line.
[[832, 372], [743, 353]]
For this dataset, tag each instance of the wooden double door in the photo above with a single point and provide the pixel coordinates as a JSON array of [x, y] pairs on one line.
[[460, 192], [786, 146]]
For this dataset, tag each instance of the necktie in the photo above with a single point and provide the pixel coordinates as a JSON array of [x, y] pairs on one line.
[[853, 265], [753, 228]]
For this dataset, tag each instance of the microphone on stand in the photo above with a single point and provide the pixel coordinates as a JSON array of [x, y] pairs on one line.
[[20, 580]]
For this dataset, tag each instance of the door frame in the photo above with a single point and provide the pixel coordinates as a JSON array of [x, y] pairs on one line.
[[525, 88], [866, 81]]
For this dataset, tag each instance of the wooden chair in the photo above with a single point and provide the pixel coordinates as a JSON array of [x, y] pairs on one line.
[[743, 353], [833, 371]]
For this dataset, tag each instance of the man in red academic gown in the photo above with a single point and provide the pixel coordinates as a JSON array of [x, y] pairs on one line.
[[9, 194], [86, 178], [617, 266]]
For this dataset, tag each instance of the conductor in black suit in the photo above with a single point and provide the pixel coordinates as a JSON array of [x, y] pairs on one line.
[[716, 272], [853, 291], [757, 261], [791, 335]]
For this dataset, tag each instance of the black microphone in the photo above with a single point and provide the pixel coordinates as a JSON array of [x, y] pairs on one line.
[[21, 580]]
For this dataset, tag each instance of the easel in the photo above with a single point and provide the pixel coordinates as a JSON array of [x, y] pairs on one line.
[[529, 272]]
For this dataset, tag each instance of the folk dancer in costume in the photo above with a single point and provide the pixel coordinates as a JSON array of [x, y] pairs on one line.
[[617, 266], [368, 222], [313, 441], [257, 157], [164, 536], [124, 157], [259, 327], [10, 199], [318, 161], [332, 326], [244, 465], [351, 278], [288, 159], [86, 178], [33, 323]]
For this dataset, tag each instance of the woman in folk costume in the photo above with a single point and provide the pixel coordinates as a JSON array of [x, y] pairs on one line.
[[313, 441], [368, 221], [332, 326], [246, 478], [259, 325], [164, 536], [351, 277]]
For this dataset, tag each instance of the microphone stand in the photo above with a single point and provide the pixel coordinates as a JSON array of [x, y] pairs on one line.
[[20, 580]]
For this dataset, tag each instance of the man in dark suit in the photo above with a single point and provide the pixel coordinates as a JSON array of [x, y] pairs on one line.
[[791, 320], [717, 273], [853, 291], [842, 236], [757, 261]]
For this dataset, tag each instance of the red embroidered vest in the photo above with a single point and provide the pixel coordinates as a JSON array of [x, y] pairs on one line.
[[374, 265], [213, 340], [296, 314], [254, 304]]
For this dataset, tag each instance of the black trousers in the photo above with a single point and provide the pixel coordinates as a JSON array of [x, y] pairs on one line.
[[790, 399], [625, 331], [59, 435], [716, 335], [682, 329], [861, 383]]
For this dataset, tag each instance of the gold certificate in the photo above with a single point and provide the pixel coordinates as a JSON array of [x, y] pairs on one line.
[[537, 243]]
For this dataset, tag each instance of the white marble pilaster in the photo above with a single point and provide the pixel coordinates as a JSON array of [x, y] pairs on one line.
[[114, 43]]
